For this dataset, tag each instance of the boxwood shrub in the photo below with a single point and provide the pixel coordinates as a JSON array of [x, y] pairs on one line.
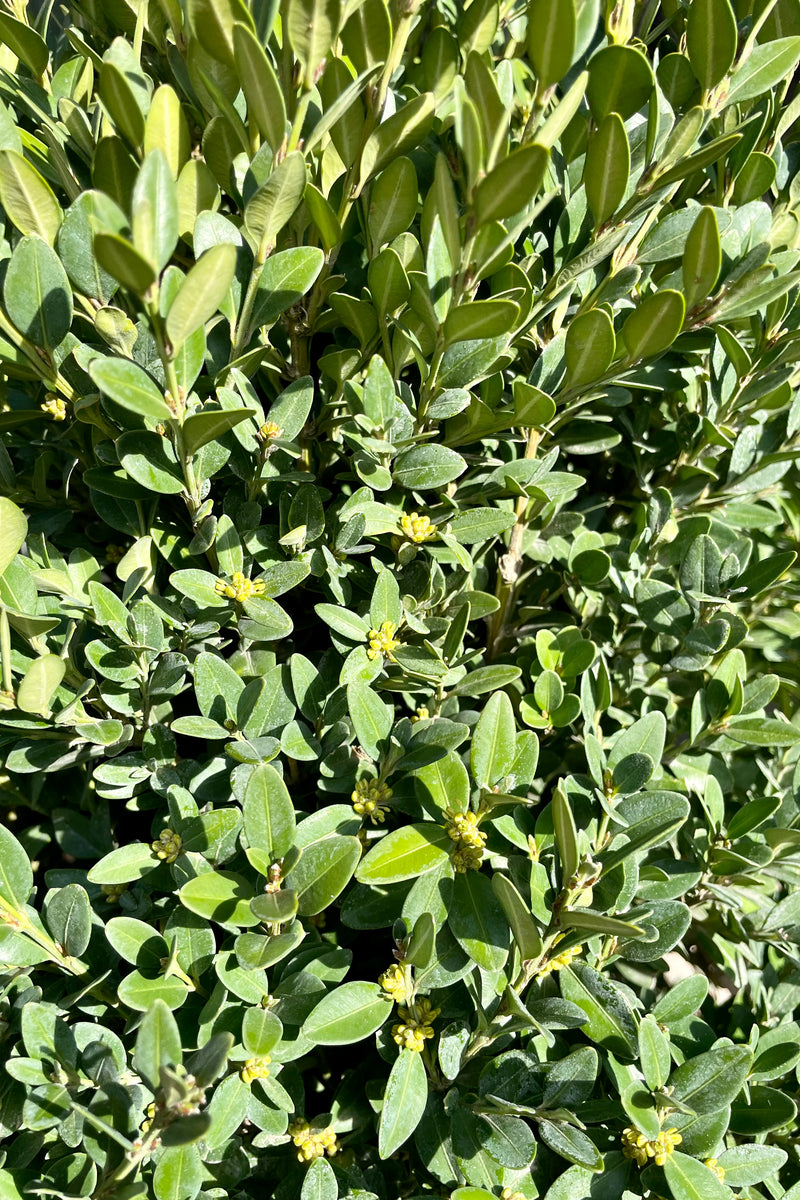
[[398, 611]]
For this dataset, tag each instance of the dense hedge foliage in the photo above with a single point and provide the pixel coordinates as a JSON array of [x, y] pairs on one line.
[[398, 618]]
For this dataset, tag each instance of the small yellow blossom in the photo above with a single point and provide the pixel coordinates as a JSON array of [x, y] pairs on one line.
[[312, 1143], [383, 641], [413, 1030], [269, 431], [469, 841], [256, 1068], [149, 1117], [510, 1194], [239, 588], [422, 714], [418, 528], [393, 982], [715, 1169], [113, 891], [167, 846], [55, 407], [641, 1149], [557, 961], [369, 799], [114, 553]]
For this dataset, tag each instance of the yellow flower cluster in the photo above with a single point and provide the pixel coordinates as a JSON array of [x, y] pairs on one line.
[[414, 1029], [510, 1194], [393, 982], [55, 407], [422, 714], [269, 431], [641, 1149], [167, 846], [417, 528], [312, 1143], [114, 553], [557, 961], [469, 841], [239, 588], [383, 641], [369, 799], [715, 1169], [256, 1068], [113, 891]]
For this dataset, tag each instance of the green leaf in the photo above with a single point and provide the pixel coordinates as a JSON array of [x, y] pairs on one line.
[[423, 468], [493, 747], [268, 812], [27, 198], [711, 38], [273, 204], [551, 39], [158, 1044], [312, 26], [213, 23], [763, 68], [128, 385], [610, 1019], [523, 928], [137, 942], [37, 293], [154, 209], [654, 325], [348, 1014], [203, 427], [682, 1000], [443, 784], [570, 1143], [746, 1165], [404, 854], [620, 81], [607, 169], [23, 41], [702, 258], [320, 1182], [324, 870], [260, 84], [178, 1174], [762, 731], [512, 184], [69, 918], [261, 1030], [690, 1179], [150, 460], [589, 348], [396, 135], [13, 528], [654, 1053], [711, 1081], [124, 865], [220, 896], [372, 719], [478, 922], [167, 129], [201, 293], [124, 263], [285, 279], [16, 874], [479, 524], [403, 1102], [566, 835], [227, 1110], [42, 679]]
